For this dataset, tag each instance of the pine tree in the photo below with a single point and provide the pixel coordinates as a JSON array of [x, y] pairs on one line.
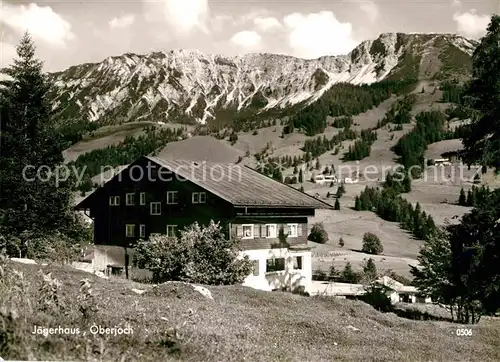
[[301, 176], [318, 165], [482, 137], [357, 204], [29, 138], [333, 274], [370, 270], [349, 275], [462, 199], [337, 204]]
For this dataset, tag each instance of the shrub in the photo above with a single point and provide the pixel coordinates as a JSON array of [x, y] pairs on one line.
[[333, 274], [200, 255], [376, 296], [341, 242], [337, 204], [372, 244], [348, 275], [318, 234], [319, 275]]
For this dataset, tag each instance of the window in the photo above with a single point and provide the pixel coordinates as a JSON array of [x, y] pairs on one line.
[[130, 199], [114, 200], [155, 208], [129, 230], [203, 197], [142, 198], [171, 197], [297, 262], [255, 264], [270, 230], [275, 264], [171, 230], [142, 231], [293, 230], [199, 197], [247, 231]]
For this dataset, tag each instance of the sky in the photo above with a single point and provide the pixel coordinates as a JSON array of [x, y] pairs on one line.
[[71, 32]]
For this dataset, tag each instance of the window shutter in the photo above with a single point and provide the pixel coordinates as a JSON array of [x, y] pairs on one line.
[[239, 231], [263, 231], [299, 230], [256, 231]]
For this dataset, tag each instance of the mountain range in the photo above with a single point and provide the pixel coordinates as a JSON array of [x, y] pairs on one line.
[[188, 86]]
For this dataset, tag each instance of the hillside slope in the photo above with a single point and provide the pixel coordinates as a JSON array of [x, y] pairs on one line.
[[189, 86], [176, 323]]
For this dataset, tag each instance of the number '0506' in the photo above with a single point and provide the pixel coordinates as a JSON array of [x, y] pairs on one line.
[[463, 332]]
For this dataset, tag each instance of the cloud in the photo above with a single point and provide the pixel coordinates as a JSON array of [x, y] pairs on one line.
[[40, 21], [7, 54], [182, 15], [246, 39], [471, 24], [122, 21], [371, 10], [318, 34], [267, 23]]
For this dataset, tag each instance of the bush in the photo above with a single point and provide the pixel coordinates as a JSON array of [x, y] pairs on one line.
[[348, 275], [372, 244], [341, 242], [318, 234], [319, 275], [376, 296], [200, 255], [337, 204]]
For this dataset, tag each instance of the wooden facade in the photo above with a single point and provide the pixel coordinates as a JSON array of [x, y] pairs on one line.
[[148, 184]]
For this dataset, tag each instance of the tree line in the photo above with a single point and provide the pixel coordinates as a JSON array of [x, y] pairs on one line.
[[391, 206], [126, 151], [429, 129], [344, 99], [399, 112], [362, 146], [475, 197]]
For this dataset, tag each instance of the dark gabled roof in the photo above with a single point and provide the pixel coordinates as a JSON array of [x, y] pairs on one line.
[[240, 185]]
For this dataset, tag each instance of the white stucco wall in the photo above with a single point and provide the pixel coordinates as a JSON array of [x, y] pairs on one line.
[[109, 255], [289, 278]]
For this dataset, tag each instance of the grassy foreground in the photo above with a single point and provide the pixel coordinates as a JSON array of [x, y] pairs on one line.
[[175, 322]]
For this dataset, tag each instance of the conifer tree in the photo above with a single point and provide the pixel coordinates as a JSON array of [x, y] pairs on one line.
[[357, 204], [462, 199], [333, 274], [370, 270], [349, 275], [482, 137], [29, 140], [337, 204]]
